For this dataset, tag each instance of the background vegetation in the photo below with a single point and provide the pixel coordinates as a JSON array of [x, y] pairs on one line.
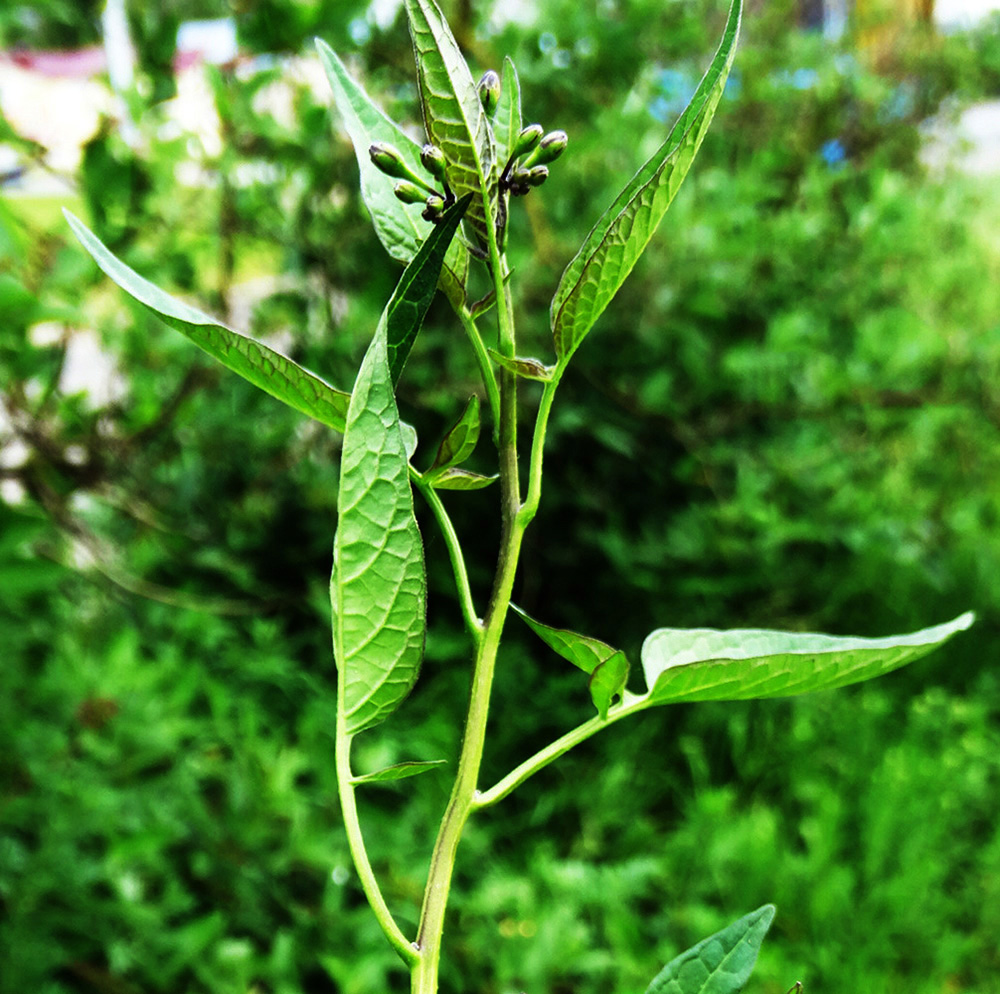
[[789, 418]]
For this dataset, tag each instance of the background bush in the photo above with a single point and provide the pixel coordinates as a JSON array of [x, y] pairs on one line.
[[788, 418]]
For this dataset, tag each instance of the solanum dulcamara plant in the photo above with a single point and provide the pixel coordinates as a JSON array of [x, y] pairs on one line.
[[441, 208]]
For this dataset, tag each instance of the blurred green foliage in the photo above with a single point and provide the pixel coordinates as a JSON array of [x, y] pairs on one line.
[[788, 418]]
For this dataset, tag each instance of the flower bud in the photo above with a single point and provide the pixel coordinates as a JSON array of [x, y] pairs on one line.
[[433, 161], [526, 140], [489, 90], [519, 183], [537, 175], [386, 157], [409, 192], [549, 148], [434, 208]]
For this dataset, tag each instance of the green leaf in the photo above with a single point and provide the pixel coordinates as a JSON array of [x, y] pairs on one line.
[[704, 664], [529, 368], [454, 117], [415, 290], [614, 245], [399, 771], [461, 479], [608, 666], [720, 964], [507, 118], [378, 589], [460, 442], [260, 365], [399, 226]]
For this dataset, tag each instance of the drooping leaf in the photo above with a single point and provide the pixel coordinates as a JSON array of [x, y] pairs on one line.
[[378, 588], [526, 366], [607, 666], [704, 664], [457, 478], [415, 290], [258, 363], [460, 442], [720, 964], [454, 117], [507, 117], [399, 771], [614, 245], [399, 226]]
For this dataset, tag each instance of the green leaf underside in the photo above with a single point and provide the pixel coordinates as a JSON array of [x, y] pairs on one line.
[[460, 442], [720, 964], [378, 589], [614, 245], [461, 479], [262, 366], [413, 294], [708, 665], [608, 666], [529, 368], [454, 117], [507, 118], [400, 771], [399, 226]]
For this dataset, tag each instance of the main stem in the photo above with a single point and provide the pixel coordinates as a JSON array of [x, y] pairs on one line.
[[424, 977]]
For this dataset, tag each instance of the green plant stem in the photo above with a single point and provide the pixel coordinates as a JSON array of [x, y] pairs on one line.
[[484, 363], [472, 621], [630, 705], [359, 854], [530, 507]]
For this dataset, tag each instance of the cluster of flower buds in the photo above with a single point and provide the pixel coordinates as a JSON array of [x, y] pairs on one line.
[[412, 188], [535, 150]]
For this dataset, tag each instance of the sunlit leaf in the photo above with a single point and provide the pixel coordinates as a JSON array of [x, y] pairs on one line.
[[507, 117], [378, 589], [703, 664], [400, 771], [720, 964], [614, 245], [454, 117], [399, 226], [258, 363], [607, 666], [415, 291], [460, 441]]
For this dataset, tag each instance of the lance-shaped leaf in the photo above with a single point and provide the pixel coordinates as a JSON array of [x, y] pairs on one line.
[[460, 442], [608, 667], [415, 290], [378, 589], [399, 771], [613, 247], [507, 117], [454, 117], [720, 964], [258, 363], [704, 664], [457, 478], [399, 226]]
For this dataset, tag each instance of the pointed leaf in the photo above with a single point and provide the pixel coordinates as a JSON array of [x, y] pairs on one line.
[[461, 479], [378, 589], [259, 364], [399, 771], [529, 368], [720, 964], [415, 290], [454, 117], [399, 226], [613, 247], [608, 666], [460, 442], [507, 118], [704, 664]]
